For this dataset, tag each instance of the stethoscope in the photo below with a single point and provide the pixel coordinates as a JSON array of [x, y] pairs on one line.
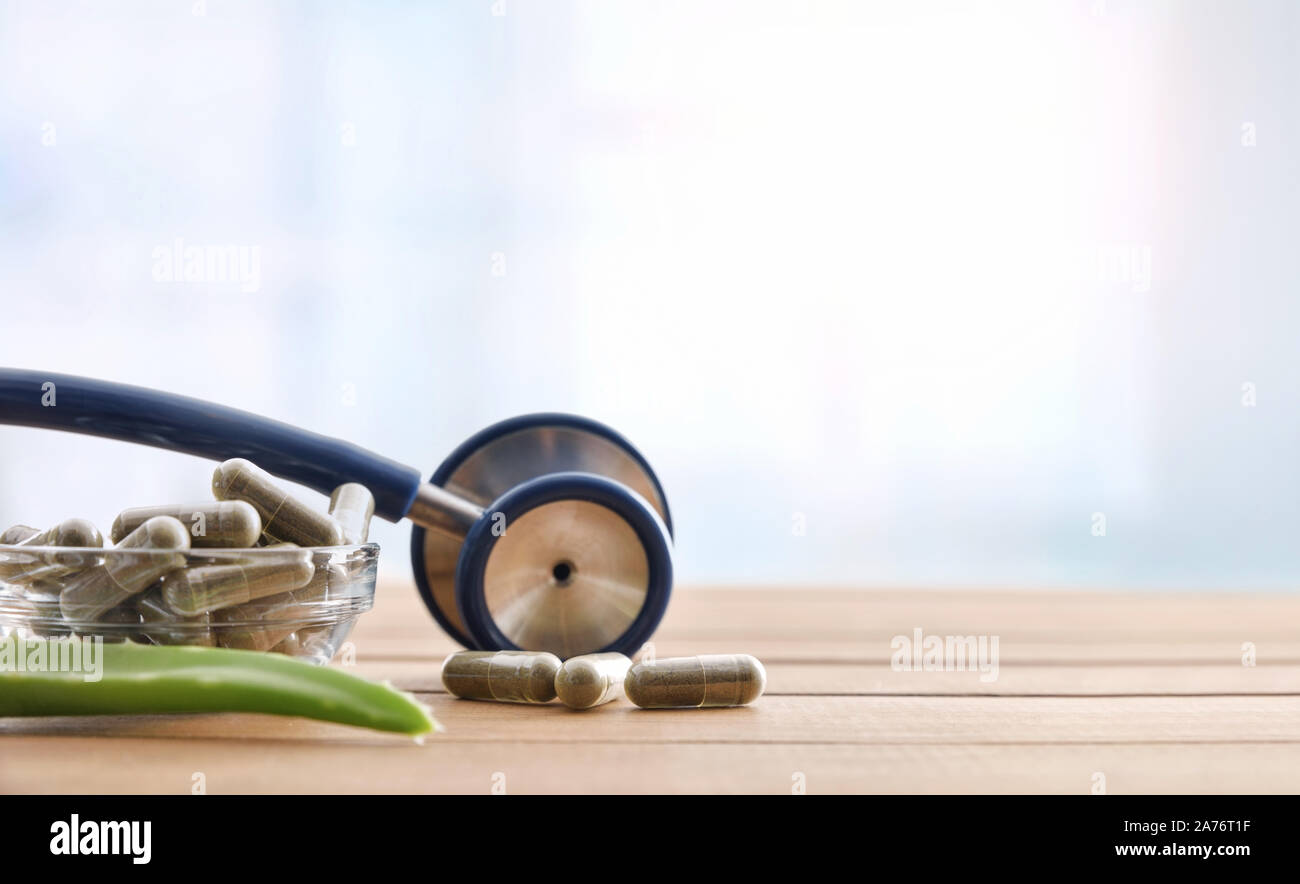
[[544, 532]]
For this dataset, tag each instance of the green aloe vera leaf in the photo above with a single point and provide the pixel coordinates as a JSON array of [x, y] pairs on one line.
[[150, 680]]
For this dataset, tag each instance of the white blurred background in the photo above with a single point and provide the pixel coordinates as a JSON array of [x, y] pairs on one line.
[[901, 293]]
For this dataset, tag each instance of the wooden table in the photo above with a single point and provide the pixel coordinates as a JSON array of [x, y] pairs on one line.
[[1133, 693]]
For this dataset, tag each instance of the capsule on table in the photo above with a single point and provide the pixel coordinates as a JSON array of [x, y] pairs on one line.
[[217, 523], [591, 680], [284, 518], [150, 551], [352, 505], [28, 567], [198, 590], [707, 680], [506, 676]]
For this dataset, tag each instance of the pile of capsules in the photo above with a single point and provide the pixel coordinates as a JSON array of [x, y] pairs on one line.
[[595, 679], [288, 601]]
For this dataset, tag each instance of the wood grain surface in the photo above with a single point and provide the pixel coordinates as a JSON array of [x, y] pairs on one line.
[[1141, 692]]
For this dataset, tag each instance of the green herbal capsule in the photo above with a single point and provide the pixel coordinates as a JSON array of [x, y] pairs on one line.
[[591, 680], [151, 550], [333, 584], [69, 532], [506, 676], [328, 581], [352, 505], [221, 523], [29, 567], [283, 517], [163, 626], [289, 645], [263, 624], [240, 629], [205, 588], [46, 617], [16, 563], [117, 624], [17, 534], [708, 680]]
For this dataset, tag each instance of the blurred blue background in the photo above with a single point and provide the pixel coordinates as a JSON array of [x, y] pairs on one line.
[[889, 293]]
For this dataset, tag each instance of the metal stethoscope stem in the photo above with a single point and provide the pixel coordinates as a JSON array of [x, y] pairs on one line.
[[439, 510]]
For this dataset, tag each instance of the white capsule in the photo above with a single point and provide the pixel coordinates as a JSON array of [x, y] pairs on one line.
[[352, 505]]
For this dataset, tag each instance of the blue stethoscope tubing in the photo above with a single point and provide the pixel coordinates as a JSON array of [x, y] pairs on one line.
[[192, 426]]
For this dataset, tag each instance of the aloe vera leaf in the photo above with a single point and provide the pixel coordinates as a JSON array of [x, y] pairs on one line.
[[149, 680]]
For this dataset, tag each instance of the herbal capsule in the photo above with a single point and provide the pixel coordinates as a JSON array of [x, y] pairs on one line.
[[46, 617], [164, 627], [508, 676], [283, 517], [223, 523], [205, 588], [289, 645], [591, 680], [245, 633], [329, 582], [69, 532], [352, 505], [91, 593], [264, 624], [30, 567], [334, 585], [117, 624], [17, 563], [17, 534], [708, 680]]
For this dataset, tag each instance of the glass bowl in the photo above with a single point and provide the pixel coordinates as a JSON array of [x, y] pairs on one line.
[[297, 601]]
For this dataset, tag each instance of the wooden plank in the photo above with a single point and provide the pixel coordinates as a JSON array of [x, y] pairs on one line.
[[906, 720], [144, 765], [848, 627], [848, 615], [811, 650]]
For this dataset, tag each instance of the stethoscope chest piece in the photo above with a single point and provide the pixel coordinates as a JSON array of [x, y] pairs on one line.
[[572, 552]]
